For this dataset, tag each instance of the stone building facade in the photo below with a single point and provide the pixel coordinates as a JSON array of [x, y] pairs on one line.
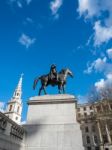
[[96, 124], [11, 134]]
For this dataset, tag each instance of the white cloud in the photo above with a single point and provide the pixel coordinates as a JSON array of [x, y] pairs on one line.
[[97, 65], [20, 3], [101, 11], [109, 52], [102, 65], [100, 84], [17, 2], [28, 1], [29, 20], [55, 6], [102, 34], [2, 105], [26, 40], [88, 8], [104, 83]]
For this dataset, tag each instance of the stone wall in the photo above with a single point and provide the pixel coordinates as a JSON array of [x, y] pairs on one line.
[[51, 124]]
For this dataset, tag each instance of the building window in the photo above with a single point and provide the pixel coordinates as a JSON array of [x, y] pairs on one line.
[[105, 107], [10, 108], [17, 94], [98, 109], [88, 148], [95, 139], [91, 108], [85, 114], [91, 113], [111, 106], [79, 114], [111, 136], [93, 129], [84, 108], [18, 109], [86, 129], [16, 118], [88, 139], [105, 139], [85, 121], [78, 109], [97, 148]]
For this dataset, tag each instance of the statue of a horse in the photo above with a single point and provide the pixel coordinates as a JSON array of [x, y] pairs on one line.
[[61, 82]]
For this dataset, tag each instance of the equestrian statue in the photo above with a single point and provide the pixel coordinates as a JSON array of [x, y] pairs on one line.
[[53, 79]]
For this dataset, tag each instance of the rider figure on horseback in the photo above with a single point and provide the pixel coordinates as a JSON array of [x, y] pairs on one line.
[[53, 75]]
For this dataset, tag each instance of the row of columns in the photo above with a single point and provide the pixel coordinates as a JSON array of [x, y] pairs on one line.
[[107, 132], [102, 109]]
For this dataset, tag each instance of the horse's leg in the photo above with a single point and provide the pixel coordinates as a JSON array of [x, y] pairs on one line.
[[44, 87], [59, 91], [40, 91], [60, 88], [41, 88], [64, 89], [44, 90]]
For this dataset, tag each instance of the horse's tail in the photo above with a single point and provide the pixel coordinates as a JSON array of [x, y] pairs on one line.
[[35, 83]]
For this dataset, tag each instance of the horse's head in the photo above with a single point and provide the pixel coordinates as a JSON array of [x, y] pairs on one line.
[[69, 72]]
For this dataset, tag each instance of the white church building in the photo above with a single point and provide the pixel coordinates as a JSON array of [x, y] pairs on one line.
[[14, 107]]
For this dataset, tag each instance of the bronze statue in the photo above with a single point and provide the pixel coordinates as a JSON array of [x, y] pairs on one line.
[[53, 75], [53, 79]]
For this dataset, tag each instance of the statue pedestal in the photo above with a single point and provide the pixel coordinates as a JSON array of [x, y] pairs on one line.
[[51, 123]]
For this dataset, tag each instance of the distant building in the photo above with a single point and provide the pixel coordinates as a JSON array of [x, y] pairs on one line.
[[96, 124]]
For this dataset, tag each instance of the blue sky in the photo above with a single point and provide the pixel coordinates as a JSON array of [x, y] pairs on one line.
[[75, 34]]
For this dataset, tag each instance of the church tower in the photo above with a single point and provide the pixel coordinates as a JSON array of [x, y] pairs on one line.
[[14, 108]]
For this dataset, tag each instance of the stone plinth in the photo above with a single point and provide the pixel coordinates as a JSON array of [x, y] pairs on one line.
[[51, 123]]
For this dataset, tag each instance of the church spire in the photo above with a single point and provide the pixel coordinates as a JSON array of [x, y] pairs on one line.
[[18, 91], [14, 108]]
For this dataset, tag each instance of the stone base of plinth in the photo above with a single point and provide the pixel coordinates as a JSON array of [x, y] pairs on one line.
[[51, 123]]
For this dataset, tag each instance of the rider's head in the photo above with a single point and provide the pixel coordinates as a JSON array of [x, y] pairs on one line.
[[53, 66]]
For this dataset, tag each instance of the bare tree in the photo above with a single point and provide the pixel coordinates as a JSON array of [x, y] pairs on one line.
[[106, 93], [95, 95]]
